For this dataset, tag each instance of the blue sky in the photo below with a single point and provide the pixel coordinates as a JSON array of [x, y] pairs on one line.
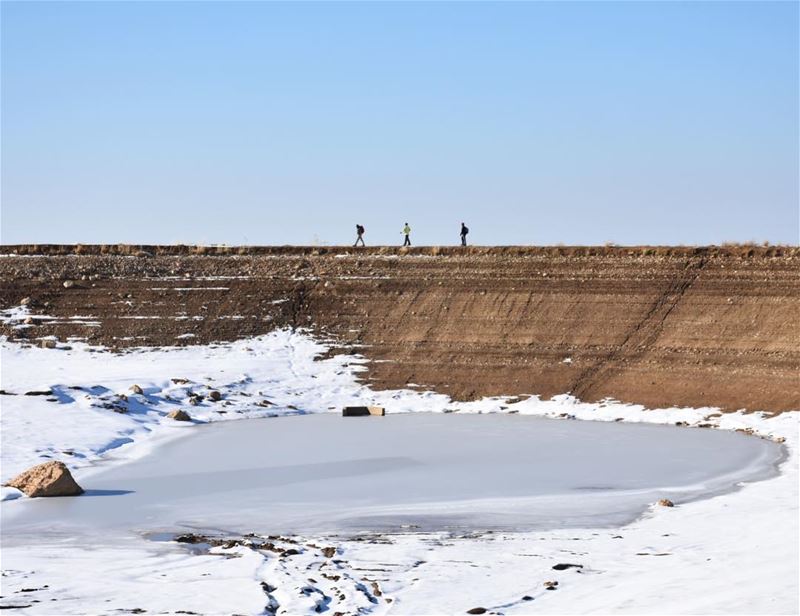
[[287, 123]]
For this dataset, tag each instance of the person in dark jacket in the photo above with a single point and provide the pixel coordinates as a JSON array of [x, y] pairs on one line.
[[464, 232], [360, 234]]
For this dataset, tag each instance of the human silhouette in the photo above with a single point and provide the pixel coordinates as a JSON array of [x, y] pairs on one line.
[[360, 234]]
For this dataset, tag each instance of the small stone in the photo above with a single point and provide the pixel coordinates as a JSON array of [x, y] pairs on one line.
[[136, 390], [42, 392], [190, 538], [28, 321], [48, 479], [550, 585], [477, 610], [562, 566], [68, 284], [214, 395], [179, 415], [665, 502], [25, 301], [48, 344], [180, 381]]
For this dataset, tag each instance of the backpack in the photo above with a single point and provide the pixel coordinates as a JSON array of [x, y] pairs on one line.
[[464, 230], [360, 229]]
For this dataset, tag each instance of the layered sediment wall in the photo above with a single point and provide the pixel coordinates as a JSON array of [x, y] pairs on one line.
[[660, 326]]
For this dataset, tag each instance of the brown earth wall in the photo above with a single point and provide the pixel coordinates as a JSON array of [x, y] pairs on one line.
[[660, 326]]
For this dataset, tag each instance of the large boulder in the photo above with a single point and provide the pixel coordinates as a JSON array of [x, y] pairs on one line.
[[48, 479]]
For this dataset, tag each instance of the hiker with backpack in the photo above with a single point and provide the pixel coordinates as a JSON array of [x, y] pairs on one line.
[[407, 232], [464, 231], [360, 233]]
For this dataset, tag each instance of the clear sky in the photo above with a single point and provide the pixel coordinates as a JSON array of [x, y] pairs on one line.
[[288, 123]]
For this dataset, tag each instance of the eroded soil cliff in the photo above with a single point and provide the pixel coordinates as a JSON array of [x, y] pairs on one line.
[[658, 326]]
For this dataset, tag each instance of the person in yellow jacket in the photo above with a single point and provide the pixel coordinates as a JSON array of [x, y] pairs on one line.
[[407, 233]]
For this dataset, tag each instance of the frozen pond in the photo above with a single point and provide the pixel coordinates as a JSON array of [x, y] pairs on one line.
[[431, 471]]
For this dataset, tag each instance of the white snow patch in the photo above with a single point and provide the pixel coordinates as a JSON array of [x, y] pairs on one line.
[[735, 553], [190, 288]]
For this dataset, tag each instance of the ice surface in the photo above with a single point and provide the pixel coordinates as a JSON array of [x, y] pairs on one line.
[[734, 553], [424, 470]]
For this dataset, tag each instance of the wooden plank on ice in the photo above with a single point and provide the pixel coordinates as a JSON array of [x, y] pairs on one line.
[[362, 411]]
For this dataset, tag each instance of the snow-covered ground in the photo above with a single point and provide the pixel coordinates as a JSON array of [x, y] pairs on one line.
[[733, 553]]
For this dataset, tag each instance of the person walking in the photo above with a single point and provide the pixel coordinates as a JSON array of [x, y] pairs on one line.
[[464, 231], [407, 233], [360, 234]]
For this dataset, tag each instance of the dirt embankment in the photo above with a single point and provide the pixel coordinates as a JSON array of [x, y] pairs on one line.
[[658, 326]]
